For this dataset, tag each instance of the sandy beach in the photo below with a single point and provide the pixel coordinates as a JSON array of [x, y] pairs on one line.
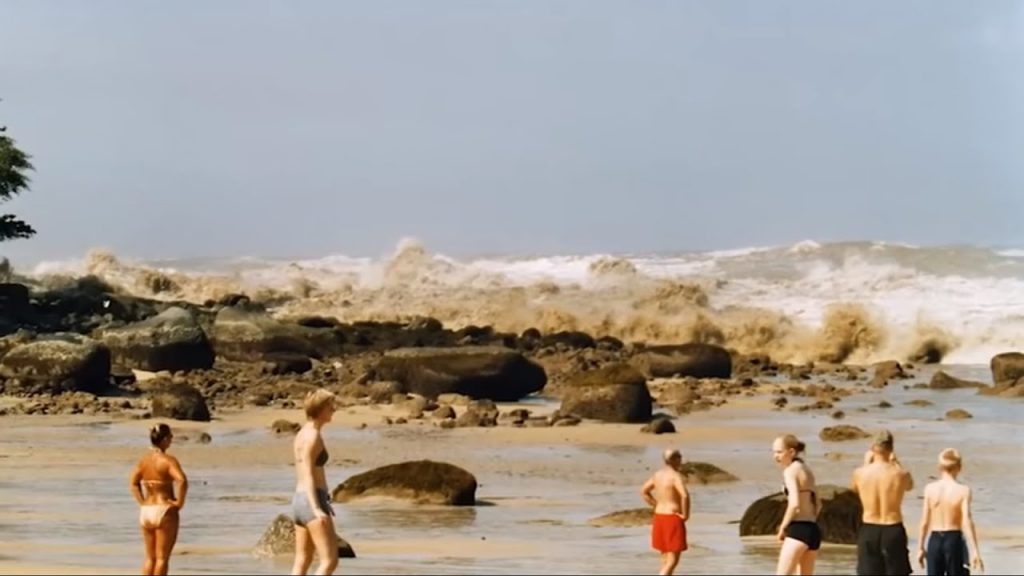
[[65, 506]]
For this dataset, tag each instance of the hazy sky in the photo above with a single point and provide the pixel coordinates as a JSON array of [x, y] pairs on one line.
[[163, 129]]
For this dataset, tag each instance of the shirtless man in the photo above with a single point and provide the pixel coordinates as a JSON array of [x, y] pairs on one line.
[[947, 515], [881, 484], [666, 492]]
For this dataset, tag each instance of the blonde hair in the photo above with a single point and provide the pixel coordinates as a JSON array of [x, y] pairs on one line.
[[316, 401], [791, 442], [949, 460]]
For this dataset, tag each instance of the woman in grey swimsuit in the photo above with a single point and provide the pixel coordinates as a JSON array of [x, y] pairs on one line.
[[799, 532], [311, 505]]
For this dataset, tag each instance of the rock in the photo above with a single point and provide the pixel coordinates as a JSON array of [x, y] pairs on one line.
[[613, 393], [1007, 367], [15, 306], [842, 433], [480, 372], [839, 521], [281, 426], [56, 363], [958, 414], [704, 473], [288, 363], [919, 402], [383, 392], [420, 481], [889, 370], [444, 412], [454, 399], [839, 415], [569, 339], [279, 540], [659, 426], [693, 359], [172, 340], [179, 401], [247, 336], [633, 518], [942, 381], [479, 414]]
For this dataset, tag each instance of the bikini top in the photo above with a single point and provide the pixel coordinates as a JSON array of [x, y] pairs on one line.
[[321, 458], [814, 495]]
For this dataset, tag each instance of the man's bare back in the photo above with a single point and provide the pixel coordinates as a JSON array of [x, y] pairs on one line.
[[881, 485], [668, 493]]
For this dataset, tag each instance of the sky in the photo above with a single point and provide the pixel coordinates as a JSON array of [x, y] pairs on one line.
[[302, 129]]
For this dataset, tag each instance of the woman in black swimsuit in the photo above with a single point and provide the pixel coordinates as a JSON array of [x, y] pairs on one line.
[[798, 531], [311, 505]]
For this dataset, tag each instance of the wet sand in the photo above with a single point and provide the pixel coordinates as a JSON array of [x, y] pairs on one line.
[[65, 506]]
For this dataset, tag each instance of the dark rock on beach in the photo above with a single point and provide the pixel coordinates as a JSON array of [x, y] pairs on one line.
[[172, 340], [693, 359], [839, 521], [56, 363], [420, 481], [614, 393], [480, 372]]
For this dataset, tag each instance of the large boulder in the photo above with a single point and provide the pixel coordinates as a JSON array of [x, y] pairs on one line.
[[179, 401], [480, 372], [612, 393], [842, 433], [1007, 367], [840, 517], [420, 481], [55, 364], [694, 359], [172, 340], [632, 518], [247, 336], [704, 473], [1006, 389], [279, 540], [15, 307]]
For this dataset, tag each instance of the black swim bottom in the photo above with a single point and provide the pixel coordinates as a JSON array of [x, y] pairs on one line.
[[882, 550], [947, 554], [806, 532]]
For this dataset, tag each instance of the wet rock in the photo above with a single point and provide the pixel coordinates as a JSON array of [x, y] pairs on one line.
[[172, 340], [919, 402], [288, 363], [281, 426], [958, 414], [839, 521], [247, 336], [178, 401], [56, 363], [279, 540], [633, 518], [659, 426], [942, 381], [614, 393], [383, 392], [842, 433], [693, 359], [480, 372], [889, 370], [479, 414], [421, 481], [838, 415], [444, 412], [704, 473], [1007, 368]]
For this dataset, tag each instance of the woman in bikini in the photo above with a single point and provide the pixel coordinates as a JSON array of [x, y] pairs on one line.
[[311, 505], [159, 510], [798, 531]]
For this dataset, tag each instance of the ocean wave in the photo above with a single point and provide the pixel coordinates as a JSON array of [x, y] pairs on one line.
[[850, 301]]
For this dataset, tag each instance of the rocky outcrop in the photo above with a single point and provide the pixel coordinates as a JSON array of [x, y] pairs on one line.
[[480, 372], [693, 359], [420, 481], [172, 340], [839, 521], [632, 518], [704, 473], [614, 393], [54, 364], [279, 540], [248, 336]]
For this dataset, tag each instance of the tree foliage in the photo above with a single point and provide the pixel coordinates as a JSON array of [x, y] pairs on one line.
[[14, 166]]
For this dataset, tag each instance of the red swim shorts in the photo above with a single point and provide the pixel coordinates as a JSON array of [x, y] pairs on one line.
[[668, 533]]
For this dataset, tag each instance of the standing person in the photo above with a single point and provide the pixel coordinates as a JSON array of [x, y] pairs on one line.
[[947, 516], [798, 531], [311, 505], [159, 510], [881, 483], [666, 492]]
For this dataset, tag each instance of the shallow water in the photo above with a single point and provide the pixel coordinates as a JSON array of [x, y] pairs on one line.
[[530, 523]]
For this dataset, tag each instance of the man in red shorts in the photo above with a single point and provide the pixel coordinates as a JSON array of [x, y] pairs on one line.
[[666, 492]]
